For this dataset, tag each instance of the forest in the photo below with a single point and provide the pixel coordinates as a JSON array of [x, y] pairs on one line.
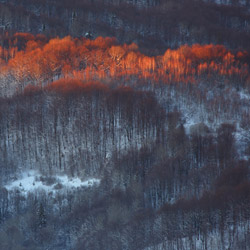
[[124, 125], [166, 136]]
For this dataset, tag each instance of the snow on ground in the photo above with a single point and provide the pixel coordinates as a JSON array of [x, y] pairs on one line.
[[32, 181], [193, 115], [244, 95]]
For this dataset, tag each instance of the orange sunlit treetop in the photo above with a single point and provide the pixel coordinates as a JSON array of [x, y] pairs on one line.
[[38, 61]]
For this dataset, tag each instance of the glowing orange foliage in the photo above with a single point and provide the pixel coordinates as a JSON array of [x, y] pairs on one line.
[[40, 62]]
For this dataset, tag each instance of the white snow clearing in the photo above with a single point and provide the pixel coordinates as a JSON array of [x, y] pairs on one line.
[[32, 181]]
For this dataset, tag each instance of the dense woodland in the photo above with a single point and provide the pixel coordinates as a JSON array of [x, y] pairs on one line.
[[160, 115]]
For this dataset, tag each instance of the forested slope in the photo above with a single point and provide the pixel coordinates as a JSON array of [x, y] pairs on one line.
[[124, 124], [165, 137]]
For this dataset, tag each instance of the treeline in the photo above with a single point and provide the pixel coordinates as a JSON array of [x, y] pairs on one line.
[[153, 24], [27, 59]]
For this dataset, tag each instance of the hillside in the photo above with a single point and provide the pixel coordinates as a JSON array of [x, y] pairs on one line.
[[124, 125]]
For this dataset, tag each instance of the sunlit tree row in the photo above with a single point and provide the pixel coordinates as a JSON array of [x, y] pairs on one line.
[[36, 60]]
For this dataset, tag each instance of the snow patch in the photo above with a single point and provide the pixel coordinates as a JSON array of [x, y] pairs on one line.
[[244, 96], [32, 181]]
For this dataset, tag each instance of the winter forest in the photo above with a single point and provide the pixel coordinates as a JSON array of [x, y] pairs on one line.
[[124, 125]]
